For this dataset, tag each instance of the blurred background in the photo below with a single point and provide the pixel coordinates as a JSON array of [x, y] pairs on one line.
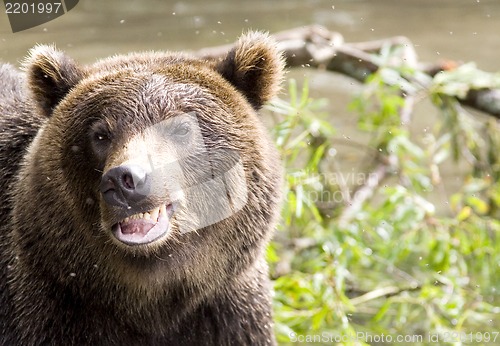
[[456, 29]]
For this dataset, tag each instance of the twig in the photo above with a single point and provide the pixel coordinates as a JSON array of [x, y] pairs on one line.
[[383, 292]]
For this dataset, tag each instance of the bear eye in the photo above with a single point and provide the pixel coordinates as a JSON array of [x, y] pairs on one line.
[[100, 136], [100, 133], [182, 130], [100, 140]]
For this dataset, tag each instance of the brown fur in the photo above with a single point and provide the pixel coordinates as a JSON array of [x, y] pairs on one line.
[[64, 280]]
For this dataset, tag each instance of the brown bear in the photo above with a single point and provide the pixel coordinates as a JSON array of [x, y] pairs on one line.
[[138, 196]]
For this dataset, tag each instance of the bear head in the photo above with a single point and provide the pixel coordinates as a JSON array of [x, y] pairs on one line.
[[152, 167]]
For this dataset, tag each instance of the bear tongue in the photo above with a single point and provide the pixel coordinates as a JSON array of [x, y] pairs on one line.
[[141, 227], [141, 231]]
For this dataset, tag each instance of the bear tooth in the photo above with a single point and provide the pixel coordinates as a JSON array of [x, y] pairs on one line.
[[127, 219], [163, 210], [147, 216], [154, 214]]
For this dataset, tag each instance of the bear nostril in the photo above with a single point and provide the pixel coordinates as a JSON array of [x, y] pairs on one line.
[[133, 177], [124, 185], [128, 181]]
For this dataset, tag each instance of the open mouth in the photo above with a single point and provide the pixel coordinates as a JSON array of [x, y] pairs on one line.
[[144, 228]]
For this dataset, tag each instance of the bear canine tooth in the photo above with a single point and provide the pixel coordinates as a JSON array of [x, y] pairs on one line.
[[154, 214], [147, 216], [127, 219], [163, 210]]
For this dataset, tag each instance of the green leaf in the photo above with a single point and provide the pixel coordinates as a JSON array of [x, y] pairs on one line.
[[464, 213], [479, 206]]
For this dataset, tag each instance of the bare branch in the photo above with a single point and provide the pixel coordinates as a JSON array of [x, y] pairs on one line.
[[485, 100], [383, 292], [317, 47]]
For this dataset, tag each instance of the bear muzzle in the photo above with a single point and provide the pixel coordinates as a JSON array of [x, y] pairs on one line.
[[128, 187], [144, 228]]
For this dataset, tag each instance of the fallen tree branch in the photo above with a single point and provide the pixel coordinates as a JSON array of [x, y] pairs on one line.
[[316, 47], [486, 100]]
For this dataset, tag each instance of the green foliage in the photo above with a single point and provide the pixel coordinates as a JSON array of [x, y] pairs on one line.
[[459, 81], [367, 253]]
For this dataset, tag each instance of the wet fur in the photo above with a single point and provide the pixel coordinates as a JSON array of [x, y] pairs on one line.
[[63, 280]]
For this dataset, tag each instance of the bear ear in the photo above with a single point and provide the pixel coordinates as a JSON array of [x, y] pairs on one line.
[[51, 74], [255, 67]]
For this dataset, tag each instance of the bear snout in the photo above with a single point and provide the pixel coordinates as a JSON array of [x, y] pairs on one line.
[[125, 185]]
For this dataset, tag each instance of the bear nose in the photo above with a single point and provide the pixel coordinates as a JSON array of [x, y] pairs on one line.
[[124, 185]]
